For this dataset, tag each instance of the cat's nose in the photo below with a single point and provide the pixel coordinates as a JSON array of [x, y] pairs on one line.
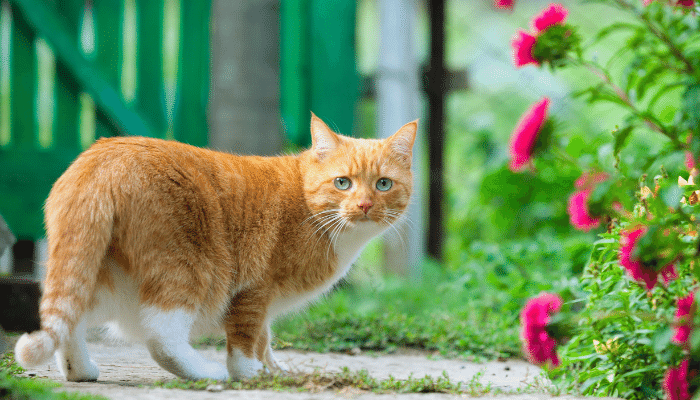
[[365, 205]]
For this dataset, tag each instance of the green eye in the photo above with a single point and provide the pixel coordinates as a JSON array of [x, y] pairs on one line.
[[342, 183], [384, 184]]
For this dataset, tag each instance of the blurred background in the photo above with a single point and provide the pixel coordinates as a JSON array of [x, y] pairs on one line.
[[243, 76]]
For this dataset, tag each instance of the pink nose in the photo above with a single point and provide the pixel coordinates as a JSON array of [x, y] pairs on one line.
[[365, 205]]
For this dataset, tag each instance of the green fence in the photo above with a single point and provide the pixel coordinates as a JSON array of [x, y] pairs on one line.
[[72, 71], [317, 66]]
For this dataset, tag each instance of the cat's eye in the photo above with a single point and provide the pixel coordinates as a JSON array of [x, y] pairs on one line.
[[342, 183], [384, 184]]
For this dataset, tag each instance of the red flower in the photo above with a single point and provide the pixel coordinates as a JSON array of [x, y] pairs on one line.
[[552, 15], [525, 134], [577, 208], [635, 267], [523, 43], [676, 382], [579, 216], [689, 160], [685, 309], [504, 4], [539, 346], [684, 3]]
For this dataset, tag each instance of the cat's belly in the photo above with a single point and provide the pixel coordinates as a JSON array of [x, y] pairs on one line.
[[117, 306]]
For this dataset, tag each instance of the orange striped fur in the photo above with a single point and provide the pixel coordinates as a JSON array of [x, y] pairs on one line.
[[200, 237]]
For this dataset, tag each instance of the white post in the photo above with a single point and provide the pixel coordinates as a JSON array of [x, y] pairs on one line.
[[398, 103]]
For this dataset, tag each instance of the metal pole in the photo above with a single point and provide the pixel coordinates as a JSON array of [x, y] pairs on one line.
[[397, 101], [436, 90]]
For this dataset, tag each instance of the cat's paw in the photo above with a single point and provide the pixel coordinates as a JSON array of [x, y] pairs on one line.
[[241, 367], [76, 370], [213, 370], [274, 364]]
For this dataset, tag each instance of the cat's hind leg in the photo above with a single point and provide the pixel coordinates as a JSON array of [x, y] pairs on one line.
[[73, 359], [167, 339]]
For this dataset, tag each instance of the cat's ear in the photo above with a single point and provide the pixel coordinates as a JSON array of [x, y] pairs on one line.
[[401, 142], [323, 139]]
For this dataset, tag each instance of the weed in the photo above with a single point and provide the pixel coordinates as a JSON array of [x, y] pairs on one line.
[[8, 364]]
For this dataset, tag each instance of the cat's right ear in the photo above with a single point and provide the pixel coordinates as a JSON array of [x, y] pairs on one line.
[[323, 140]]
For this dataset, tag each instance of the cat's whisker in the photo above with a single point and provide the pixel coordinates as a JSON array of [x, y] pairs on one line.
[[399, 218], [325, 224], [399, 234], [313, 217], [335, 233]]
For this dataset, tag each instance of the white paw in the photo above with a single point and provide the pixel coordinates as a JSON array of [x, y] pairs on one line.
[[75, 370], [242, 367], [214, 370], [274, 363]]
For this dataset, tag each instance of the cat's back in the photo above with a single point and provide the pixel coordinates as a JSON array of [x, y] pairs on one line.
[[139, 163]]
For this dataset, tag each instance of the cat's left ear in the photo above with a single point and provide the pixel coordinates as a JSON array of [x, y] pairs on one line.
[[401, 142], [323, 139]]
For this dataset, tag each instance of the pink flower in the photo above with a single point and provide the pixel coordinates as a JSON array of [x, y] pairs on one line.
[[579, 215], [684, 3], [689, 160], [534, 317], [504, 4], [635, 267], [676, 382], [552, 15], [525, 134], [668, 273], [523, 43], [684, 311], [577, 208]]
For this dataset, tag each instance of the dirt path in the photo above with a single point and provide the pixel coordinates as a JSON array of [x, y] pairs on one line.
[[128, 372]]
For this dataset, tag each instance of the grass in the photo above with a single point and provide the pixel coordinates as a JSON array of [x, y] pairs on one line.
[[319, 381], [348, 381], [444, 311], [18, 388]]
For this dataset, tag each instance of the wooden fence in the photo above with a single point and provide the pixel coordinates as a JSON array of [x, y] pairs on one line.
[[72, 71]]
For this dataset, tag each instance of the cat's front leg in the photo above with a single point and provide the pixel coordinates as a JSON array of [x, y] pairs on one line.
[[247, 331], [264, 351]]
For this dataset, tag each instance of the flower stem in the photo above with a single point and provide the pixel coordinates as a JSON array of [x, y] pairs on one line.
[[689, 67], [600, 73]]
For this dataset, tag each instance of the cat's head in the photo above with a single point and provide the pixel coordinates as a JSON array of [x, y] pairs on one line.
[[352, 182]]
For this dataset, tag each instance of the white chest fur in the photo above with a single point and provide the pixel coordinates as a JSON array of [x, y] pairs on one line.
[[347, 247]]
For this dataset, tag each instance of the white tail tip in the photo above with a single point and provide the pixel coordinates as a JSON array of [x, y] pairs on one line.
[[34, 349]]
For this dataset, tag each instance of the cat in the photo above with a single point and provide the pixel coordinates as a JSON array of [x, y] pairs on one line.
[[168, 241]]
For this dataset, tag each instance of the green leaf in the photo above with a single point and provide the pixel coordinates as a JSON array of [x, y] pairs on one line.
[[662, 338], [690, 105], [671, 196], [694, 342], [621, 136], [616, 27]]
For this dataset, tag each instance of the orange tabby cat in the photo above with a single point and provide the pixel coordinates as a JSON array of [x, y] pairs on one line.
[[167, 241]]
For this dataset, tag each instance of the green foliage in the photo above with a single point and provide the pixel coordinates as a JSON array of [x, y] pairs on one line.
[[630, 326], [621, 344], [438, 316], [319, 381], [446, 311], [8, 364], [16, 388]]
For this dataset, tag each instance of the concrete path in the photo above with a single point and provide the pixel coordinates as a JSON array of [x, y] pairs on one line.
[[128, 372]]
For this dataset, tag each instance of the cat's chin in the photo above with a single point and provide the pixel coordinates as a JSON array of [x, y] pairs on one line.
[[366, 224]]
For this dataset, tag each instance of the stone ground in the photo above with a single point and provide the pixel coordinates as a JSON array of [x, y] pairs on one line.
[[128, 372]]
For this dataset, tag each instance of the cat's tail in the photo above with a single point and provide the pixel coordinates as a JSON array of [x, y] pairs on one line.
[[79, 216]]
